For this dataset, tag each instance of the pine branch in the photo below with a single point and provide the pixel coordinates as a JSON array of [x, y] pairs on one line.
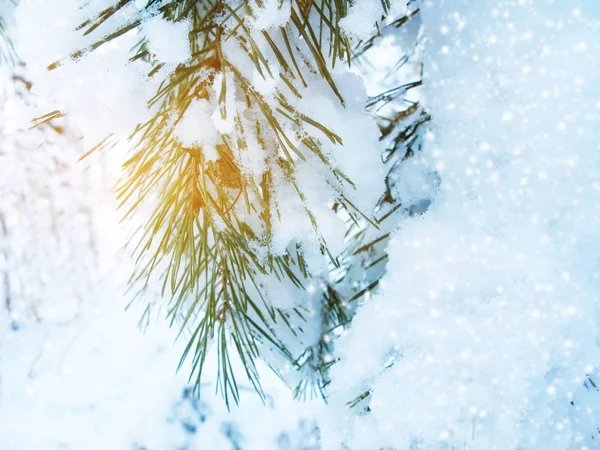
[[198, 238]]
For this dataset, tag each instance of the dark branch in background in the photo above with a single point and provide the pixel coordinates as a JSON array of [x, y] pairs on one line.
[[22, 88], [7, 49], [6, 273], [8, 57]]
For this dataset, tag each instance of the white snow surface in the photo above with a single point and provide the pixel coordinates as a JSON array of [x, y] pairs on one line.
[[486, 325]]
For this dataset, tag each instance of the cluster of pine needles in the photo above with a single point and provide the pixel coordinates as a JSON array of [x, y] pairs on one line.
[[198, 238]]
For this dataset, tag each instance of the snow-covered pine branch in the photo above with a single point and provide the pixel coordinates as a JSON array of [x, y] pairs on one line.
[[248, 142]]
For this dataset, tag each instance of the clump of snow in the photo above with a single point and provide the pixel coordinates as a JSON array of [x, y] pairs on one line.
[[364, 15], [168, 41], [413, 181], [270, 14], [196, 128], [361, 18]]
